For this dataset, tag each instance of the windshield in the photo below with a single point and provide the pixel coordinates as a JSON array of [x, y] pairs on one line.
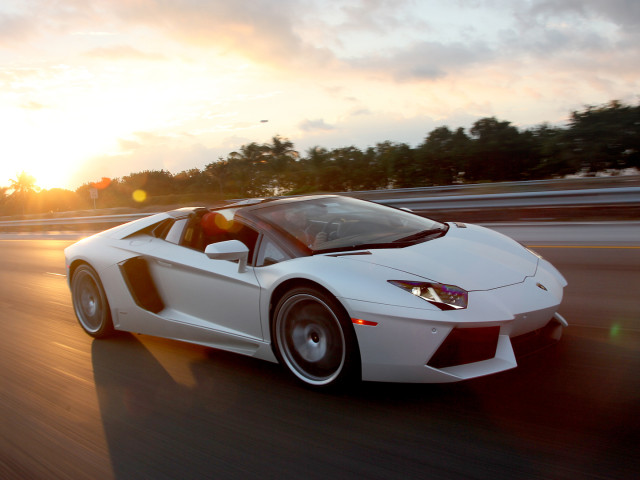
[[342, 223]]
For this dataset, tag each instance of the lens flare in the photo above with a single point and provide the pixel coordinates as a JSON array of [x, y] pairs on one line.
[[615, 330], [102, 184], [139, 196]]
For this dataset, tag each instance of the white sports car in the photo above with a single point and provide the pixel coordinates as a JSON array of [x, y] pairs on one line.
[[334, 288]]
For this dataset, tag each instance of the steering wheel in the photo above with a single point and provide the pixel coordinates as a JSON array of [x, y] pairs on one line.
[[338, 221]]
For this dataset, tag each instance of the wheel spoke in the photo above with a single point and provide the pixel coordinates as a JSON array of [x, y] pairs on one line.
[[311, 339]]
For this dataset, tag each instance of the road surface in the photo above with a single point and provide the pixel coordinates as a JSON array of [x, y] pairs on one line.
[[142, 407]]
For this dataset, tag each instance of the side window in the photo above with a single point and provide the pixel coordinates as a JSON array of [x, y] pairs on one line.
[[248, 236], [219, 226], [186, 232], [270, 254], [161, 229], [175, 232]]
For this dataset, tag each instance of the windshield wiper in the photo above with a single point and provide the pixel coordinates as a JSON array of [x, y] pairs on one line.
[[351, 248], [419, 235], [399, 243]]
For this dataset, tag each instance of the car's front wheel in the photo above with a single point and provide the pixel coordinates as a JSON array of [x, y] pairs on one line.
[[90, 302], [314, 338]]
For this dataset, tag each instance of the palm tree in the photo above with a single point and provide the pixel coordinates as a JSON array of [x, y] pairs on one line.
[[281, 158], [23, 184], [219, 172], [22, 187], [316, 165], [246, 168]]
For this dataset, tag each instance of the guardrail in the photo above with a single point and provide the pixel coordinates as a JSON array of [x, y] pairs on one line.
[[614, 199], [89, 220], [599, 196]]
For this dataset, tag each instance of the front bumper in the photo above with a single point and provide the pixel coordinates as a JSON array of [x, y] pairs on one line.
[[499, 325]]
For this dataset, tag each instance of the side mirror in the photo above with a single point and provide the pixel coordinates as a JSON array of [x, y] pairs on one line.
[[229, 250]]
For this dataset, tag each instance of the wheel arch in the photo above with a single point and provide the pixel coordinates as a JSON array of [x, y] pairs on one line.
[[74, 266], [291, 283]]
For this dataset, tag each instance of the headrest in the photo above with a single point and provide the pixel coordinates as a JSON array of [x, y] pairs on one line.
[[213, 223]]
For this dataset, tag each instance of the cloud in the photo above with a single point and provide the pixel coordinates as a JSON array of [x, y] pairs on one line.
[[15, 28], [143, 140], [361, 111], [624, 13], [122, 52], [37, 18], [379, 16], [400, 39], [312, 125], [31, 105], [258, 29], [426, 60], [585, 25]]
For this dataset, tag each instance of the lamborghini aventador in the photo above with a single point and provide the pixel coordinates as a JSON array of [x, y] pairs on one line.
[[334, 288]]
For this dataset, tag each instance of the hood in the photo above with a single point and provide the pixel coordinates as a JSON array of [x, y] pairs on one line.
[[471, 257]]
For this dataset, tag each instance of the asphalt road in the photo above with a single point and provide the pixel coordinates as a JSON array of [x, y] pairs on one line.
[[142, 407]]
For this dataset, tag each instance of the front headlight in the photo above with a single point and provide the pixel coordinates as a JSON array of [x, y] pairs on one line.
[[445, 297]]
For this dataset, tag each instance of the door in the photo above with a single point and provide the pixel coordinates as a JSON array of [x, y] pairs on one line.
[[194, 289], [211, 293]]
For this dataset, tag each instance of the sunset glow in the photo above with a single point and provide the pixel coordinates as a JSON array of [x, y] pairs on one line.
[[107, 88]]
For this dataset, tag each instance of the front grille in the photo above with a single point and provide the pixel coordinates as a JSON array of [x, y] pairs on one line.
[[466, 345]]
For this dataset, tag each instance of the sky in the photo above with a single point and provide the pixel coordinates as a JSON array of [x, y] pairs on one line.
[[92, 89]]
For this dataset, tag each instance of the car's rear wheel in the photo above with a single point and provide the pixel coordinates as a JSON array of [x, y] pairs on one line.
[[315, 339], [90, 302]]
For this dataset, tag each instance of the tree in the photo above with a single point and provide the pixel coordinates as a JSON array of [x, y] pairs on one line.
[[500, 152], [444, 155], [311, 172], [280, 157], [407, 172], [606, 137], [24, 186], [152, 182], [192, 181], [552, 152], [219, 172], [59, 200], [247, 170], [371, 174]]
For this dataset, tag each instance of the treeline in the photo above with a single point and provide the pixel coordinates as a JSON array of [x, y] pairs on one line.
[[595, 139]]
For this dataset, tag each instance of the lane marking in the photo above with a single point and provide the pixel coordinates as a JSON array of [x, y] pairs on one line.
[[75, 377], [72, 349]]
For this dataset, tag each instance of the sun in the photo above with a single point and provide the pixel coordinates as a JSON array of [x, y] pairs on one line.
[[42, 146], [69, 116], [52, 145], [49, 166]]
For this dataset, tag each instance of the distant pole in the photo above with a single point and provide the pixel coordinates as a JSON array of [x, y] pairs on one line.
[[93, 192]]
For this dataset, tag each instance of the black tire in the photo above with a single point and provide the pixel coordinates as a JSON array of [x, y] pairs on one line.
[[314, 338], [90, 302]]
